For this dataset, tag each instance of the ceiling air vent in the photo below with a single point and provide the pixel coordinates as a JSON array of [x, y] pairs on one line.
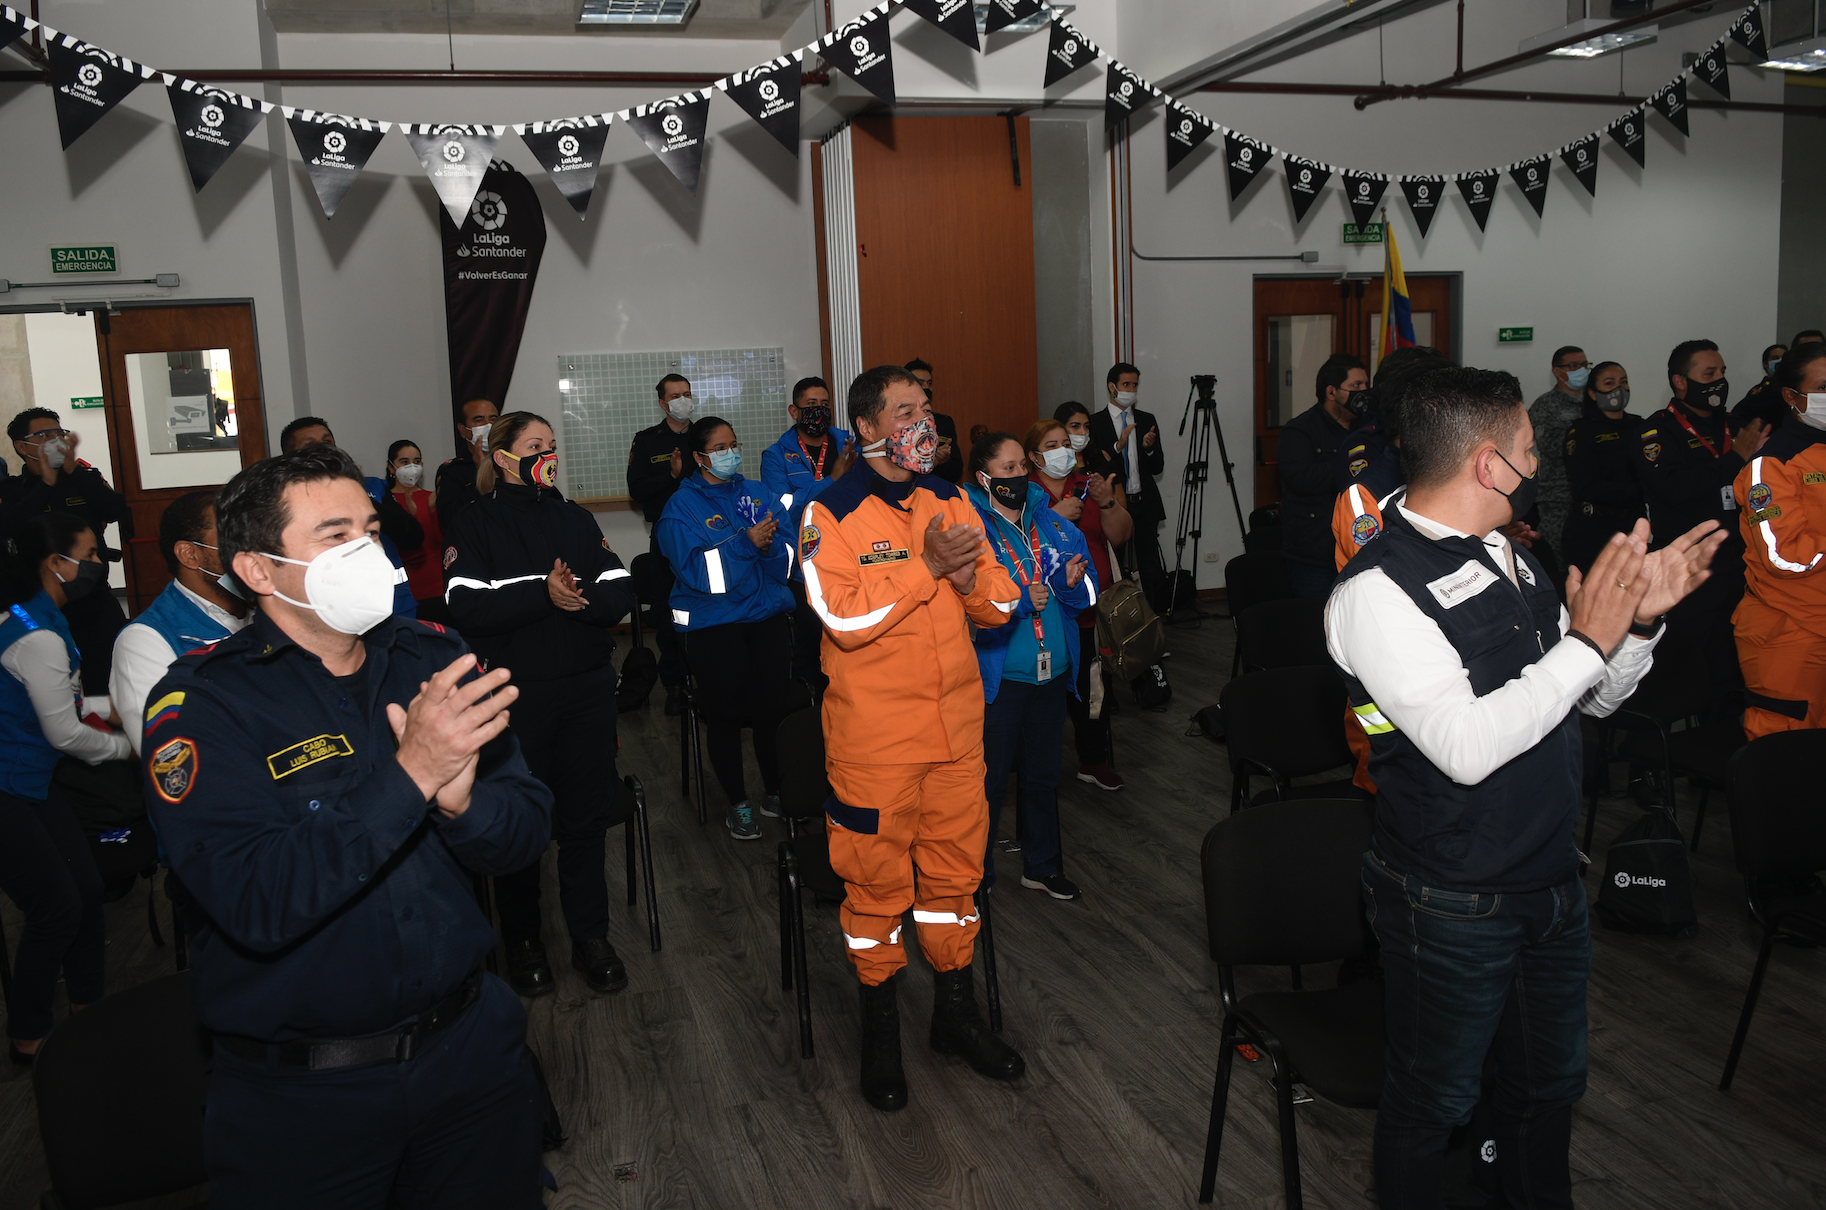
[[635, 12]]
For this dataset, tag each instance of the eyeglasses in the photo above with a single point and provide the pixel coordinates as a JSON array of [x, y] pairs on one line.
[[1571, 365], [717, 449], [47, 434]]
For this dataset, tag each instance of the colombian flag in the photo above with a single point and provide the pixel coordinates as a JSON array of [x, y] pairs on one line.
[[1397, 312]]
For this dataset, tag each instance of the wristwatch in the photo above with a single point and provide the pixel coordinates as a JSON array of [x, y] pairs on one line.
[[1649, 631]]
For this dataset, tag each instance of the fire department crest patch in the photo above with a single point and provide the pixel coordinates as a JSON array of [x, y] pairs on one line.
[[174, 769], [1651, 450], [1759, 497], [808, 544], [1364, 528]]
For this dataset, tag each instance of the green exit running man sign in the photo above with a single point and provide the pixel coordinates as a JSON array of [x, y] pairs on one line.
[[1514, 336], [84, 258]]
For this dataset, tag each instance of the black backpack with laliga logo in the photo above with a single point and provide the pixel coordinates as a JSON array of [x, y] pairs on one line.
[[1648, 885]]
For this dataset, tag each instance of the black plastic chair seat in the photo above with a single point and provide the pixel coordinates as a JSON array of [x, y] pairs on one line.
[[1334, 1039], [1801, 914], [1342, 788], [1704, 752]]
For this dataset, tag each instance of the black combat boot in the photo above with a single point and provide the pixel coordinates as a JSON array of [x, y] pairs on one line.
[[884, 1084], [958, 1029]]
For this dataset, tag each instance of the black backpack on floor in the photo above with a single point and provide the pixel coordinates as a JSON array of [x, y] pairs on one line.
[[1648, 885]]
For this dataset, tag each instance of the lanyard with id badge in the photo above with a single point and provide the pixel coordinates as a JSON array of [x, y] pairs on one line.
[[1043, 662], [1727, 499]]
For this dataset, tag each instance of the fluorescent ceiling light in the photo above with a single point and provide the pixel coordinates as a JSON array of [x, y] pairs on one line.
[[1026, 24], [1806, 55], [635, 12], [1591, 47]]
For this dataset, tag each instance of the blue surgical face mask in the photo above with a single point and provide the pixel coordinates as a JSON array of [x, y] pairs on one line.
[[1576, 379], [725, 463]]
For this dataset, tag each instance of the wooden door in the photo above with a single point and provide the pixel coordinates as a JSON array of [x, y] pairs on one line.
[[182, 388], [945, 262]]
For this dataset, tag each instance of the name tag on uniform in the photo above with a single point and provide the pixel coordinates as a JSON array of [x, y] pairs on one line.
[[665, 457], [1726, 498], [1462, 584], [298, 756], [884, 556]]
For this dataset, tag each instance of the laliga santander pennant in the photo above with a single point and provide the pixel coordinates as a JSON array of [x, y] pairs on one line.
[[1423, 194], [1479, 190], [1671, 103], [1124, 94], [1067, 50], [1627, 132], [1531, 175], [1363, 190], [955, 17], [570, 151], [673, 130], [212, 122], [1304, 181], [1004, 13], [1711, 70], [455, 158], [1186, 133], [491, 263], [863, 51], [1244, 158], [86, 82], [770, 95], [335, 149], [13, 24], [1582, 158], [1747, 32]]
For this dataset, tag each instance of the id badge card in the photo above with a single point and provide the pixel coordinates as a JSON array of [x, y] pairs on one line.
[[1043, 666], [1727, 498]]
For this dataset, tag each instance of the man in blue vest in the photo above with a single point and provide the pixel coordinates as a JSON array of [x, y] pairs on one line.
[[194, 611], [1468, 676]]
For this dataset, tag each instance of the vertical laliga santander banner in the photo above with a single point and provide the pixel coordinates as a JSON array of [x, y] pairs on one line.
[[490, 265]]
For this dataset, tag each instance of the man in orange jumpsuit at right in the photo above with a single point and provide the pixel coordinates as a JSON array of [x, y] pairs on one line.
[[895, 562], [1781, 498]]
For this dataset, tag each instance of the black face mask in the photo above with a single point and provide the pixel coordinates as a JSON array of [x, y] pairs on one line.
[[88, 576], [1711, 395], [1010, 492], [1522, 498], [1358, 402], [814, 420]]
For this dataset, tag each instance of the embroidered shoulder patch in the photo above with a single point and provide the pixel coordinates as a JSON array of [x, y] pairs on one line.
[[174, 769], [1572, 445], [1758, 497], [717, 521], [1364, 528], [1357, 466], [163, 711], [1651, 450], [808, 543], [323, 747]]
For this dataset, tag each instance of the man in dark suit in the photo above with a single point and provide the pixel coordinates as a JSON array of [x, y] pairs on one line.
[[1128, 439]]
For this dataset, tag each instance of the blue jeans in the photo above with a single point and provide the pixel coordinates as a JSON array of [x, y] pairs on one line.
[[1024, 733], [1467, 976]]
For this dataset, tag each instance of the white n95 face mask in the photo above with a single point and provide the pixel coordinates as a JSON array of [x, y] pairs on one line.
[[1815, 415], [1080, 440], [478, 436], [409, 474], [681, 407], [349, 586]]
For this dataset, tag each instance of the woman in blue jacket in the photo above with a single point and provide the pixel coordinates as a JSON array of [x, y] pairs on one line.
[[730, 601], [1027, 662]]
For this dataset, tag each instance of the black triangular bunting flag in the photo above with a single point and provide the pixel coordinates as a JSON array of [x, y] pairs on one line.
[[1304, 181], [456, 159], [12, 25], [1532, 175], [570, 151], [1747, 32], [863, 51], [1124, 94], [1244, 159], [1712, 72], [86, 82], [1363, 190], [1186, 131], [1479, 190], [1004, 13], [1423, 194], [1628, 130], [1582, 158], [335, 149], [770, 95], [1066, 51], [673, 130], [212, 122], [955, 17], [1671, 103]]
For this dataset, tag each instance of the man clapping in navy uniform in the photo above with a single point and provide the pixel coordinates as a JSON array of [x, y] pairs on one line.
[[326, 781]]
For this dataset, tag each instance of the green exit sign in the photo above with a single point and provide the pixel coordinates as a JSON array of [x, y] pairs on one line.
[[84, 258], [1514, 336], [1368, 233], [85, 401]]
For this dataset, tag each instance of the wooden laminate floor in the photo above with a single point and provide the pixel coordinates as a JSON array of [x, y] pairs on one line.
[[687, 1090]]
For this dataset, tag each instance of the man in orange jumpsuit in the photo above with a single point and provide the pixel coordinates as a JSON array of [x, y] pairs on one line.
[[895, 562], [1781, 499]]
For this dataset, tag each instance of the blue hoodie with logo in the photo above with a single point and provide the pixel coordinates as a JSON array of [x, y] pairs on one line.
[[1059, 540], [719, 576]]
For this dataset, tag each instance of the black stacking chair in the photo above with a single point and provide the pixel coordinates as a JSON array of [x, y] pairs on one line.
[[1250, 579], [1265, 532], [630, 809], [1779, 834], [120, 1090], [805, 864], [1660, 729], [652, 577], [1701, 753], [1282, 724], [1282, 888], [1281, 634]]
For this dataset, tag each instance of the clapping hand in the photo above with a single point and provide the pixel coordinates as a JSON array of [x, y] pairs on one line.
[[761, 533], [442, 731], [1678, 568], [1074, 571], [951, 553], [561, 586]]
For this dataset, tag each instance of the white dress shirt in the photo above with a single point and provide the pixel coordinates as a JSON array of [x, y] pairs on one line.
[[1418, 681], [141, 657], [1120, 419], [41, 663]]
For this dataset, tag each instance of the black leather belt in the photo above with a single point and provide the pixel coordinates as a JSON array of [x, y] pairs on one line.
[[330, 1054]]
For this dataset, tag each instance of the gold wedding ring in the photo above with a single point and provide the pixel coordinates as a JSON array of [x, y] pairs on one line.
[[1621, 584]]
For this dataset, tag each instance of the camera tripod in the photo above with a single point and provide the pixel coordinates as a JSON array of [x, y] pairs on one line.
[[1201, 410]]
